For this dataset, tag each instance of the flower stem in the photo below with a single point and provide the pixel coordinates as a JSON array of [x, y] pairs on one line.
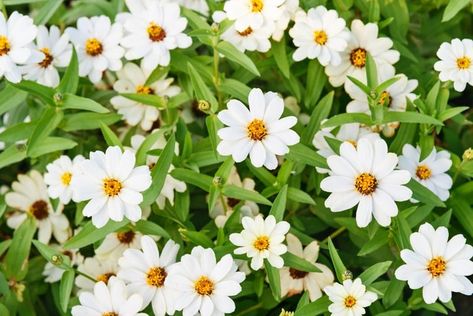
[[83, 274], [250, 309], [335, 234]]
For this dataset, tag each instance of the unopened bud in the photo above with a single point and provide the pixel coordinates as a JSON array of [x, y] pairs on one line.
[[58, 98], [347, 275], [217, 180], [468, 154], [286, 313], [214, 28], [56, 260], [203, 106]]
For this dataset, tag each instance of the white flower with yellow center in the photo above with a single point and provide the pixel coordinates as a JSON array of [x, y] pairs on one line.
[[152, 30], [320, 34], [113, 185], [145, 271], [261, 239], [294, 281], [349, 299], [253, 13], [52, 272], [132, 79], [431, 172], [100, 270], [30, 197], [248, 39], [365, 176], [437, 265], [364, 39], [204, 286], [16, 35], [112, 299], [54, 51], [59, 175], [97, 42], [114, 244], [456, 63], [259, 132]]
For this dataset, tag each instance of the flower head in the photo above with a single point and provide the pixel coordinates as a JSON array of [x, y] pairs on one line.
[[101, 270], [253, 13], [59, 176], [349, 298]]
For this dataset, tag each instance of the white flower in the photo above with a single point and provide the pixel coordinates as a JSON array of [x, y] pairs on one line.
[[456, 63], [437, 265], [30, 197], [249, 39], [431, 172], [110, 299], [294, 281], [253, 13], [97, 41], [258, 132], [261, 239], [54, 51], [146, 273], [364, 40], [365, 176], [52, 272], [200, 6], [132, 79], [320, 34], [114, 244], [152, 30], [59, 175], [16, 35], [349, 299], [100, 270], [205, 285], [113, 185], [289, 9]]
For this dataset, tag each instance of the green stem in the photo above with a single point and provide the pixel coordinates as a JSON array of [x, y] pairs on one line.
[[457, 172], [86, 276], [335, 234], [250, 309]]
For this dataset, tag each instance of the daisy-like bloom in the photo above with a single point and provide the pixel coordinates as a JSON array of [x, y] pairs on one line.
[[289, 9], [112, 299], [30, 197], [97, 42], [52, 272], [132, 79], [364, 39], [100, 270], [261, 239], [54, 52], [349, 299], [456, 63], [205, 285], [320, 34], [259, 132], [365, 176], [249, 39], [59, 175], [152, 30], [146, 272], [253, 13], [114, 244], [437, 265], [294, 281], [430, 172], [113, 185], [16, 35]]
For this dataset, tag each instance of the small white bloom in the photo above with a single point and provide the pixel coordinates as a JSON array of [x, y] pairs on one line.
[[437, 265], [59, 175], [110, 299], [52, 272], [97, 42], [259, 132], [253, 13], [289, 9], [320, 34], [205, 285], [365, 176], [114, 244], [100, 270], [456, 63], [146, 273], [113, 185], [249, 39], [349, 299], [430, 172], [261, 239]]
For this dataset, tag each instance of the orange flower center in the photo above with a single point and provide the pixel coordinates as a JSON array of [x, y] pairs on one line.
[[423, 172], [350, 301], [257, 130], [126, 237], [256, 6], [204, 286], [385, 98], [93, 47], [48, 58], [4, 45], [358, 57], [366, 183], [320, 37], [156, 276], [66, 178], [111, 187], [246, 32], [105, 277], [437, 266], [463, 62], [144, 90], [261, 243], [155, 32]]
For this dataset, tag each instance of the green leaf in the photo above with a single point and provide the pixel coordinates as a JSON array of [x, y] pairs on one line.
[[280, 56], [42, 92], [426, 144], [386, 84], [235, 88], [423, 194], [213, 125], [87, 121], [48, 253], [65, 288], [198, 238], [315, 83], [300, 196], [109, 136], [47, 11], [16, 259], [11, 97], [379, 240], [409, 117], [146, 145], [317, 307], [453, 7], [240, 193], [149, 228], [70, 80], [393, 292], [90, 234], [363, 87], [279, 205], [462, 211], [403, 232], [195, 178], [274, 280], [11, 155], [201, 90], [232, 53], [47, 123], [148, 99], [158, 73], [320, 112], [298, 263], [374, 272], [52, 144], [337, 262], [303, 154], [451, 112], [346, 118], [71, 101], [371, 70]]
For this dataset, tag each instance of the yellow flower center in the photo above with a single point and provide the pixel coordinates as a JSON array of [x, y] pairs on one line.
[[66, 178], [4, 45], [48, 58], [39, 209], [437, 266], [385, 98], [246, 32], [204, 286], [353, 142], [350, 301], [155, 32], [144, 90], [110, 314], [366, 183], [463, 62], [423, 172], [257, 6], [93, 47], [261, 243], [126, 237], [257, 130], [358, 57], [320, 37], [111, 187], [156, 276], [105, 277]]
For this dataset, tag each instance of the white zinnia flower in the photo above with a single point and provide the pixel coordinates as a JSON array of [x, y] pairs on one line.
[[152, 30], [364, 39], [365, 176], [100, 270], [52, 272], [320, 34], [113, 185], [114, 244], [59, 175], [456, 63], [146, 272], [430, 172], [132, 79], [248, 39], [30, 197], [437, 265], [205, 285], [349, 299], [253, 13], [294, 281], [97, 42], [54, 51], [110, 299], [16, 35], [261, 239], [290, 9], [258, 132]]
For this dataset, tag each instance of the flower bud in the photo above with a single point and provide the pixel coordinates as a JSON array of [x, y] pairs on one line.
[[203, 106], [286, 313], [468, 154], [347, 275]]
